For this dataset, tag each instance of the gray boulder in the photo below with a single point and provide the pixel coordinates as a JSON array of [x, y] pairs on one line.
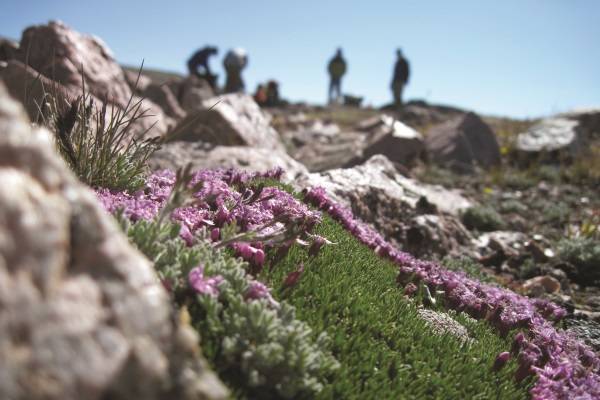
[[463, 142], [551, 134], [138, 82], [192, 92], [34, 90], [165, 99], [82, 313], [321, 146], [391, 138], [60, 53], [229, 120], [421, 114], [8, 49], [421, 218], [588, 122]]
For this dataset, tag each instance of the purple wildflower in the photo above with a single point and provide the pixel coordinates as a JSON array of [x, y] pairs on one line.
[[258, 290], [202, 284], [500, 361], [293, 277]]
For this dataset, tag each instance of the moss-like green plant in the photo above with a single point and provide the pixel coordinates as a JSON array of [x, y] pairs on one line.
[[385, 349], [556, 213], [258, 346], [482, 218], [584, 254], [513, 206]]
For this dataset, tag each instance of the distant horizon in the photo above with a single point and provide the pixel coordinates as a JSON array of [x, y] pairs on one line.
[[518, 59]]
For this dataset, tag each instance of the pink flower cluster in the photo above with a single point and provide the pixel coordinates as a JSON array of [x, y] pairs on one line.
[[204, 285], [259, 290], [225, 197], [253, 254], [217, 203], [565, 368]]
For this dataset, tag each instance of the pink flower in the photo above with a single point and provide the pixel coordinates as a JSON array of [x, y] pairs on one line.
[[202, 284], [293, 277], [259, 290], [501, 361]]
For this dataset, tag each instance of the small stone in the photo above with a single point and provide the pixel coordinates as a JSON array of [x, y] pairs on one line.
[[541, 284]]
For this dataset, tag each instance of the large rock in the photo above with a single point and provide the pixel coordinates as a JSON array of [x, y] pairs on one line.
[[418, 113], [588, 120], [463, 142], [202, 155], [8, 49], [192, 92], [82, 313], [420, 218], [154, 121], [137, 81], [34, 90], [321, 146], [165, 99], [395, 140], [551, 135], [229, 120], [62, 54]]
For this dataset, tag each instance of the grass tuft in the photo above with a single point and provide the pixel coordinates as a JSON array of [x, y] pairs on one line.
[[98, 143]]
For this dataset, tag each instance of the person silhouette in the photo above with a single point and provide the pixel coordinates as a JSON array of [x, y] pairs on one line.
[[400, 77], [198, 65], [234, 62], [337, 68]]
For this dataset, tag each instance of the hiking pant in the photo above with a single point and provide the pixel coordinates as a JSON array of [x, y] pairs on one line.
[[335, 86], [233, 81], [397, 88]]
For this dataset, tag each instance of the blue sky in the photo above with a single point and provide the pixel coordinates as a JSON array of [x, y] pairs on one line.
[[520, 58]]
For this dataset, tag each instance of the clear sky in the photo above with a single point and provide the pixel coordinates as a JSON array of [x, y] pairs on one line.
[[520, 58]]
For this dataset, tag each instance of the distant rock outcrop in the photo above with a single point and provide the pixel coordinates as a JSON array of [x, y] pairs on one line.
[[55, 56], [395, 140], [588, 121], [565, 134], [82, 313], [549, 135], [8, 49], [192, 92], [32, 89], [64, 55], [164, 97], [229, 120], [463, 142]]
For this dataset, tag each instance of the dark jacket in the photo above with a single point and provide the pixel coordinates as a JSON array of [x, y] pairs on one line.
[[200, 58], [337, 67], [401, 71]]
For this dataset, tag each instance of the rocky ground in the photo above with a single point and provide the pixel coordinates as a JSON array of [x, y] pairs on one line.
[[520, 198]]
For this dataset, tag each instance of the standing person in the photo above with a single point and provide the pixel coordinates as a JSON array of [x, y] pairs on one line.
[[400, 78], [336, 69], [234, 62], [272, 93], [198, 64]]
